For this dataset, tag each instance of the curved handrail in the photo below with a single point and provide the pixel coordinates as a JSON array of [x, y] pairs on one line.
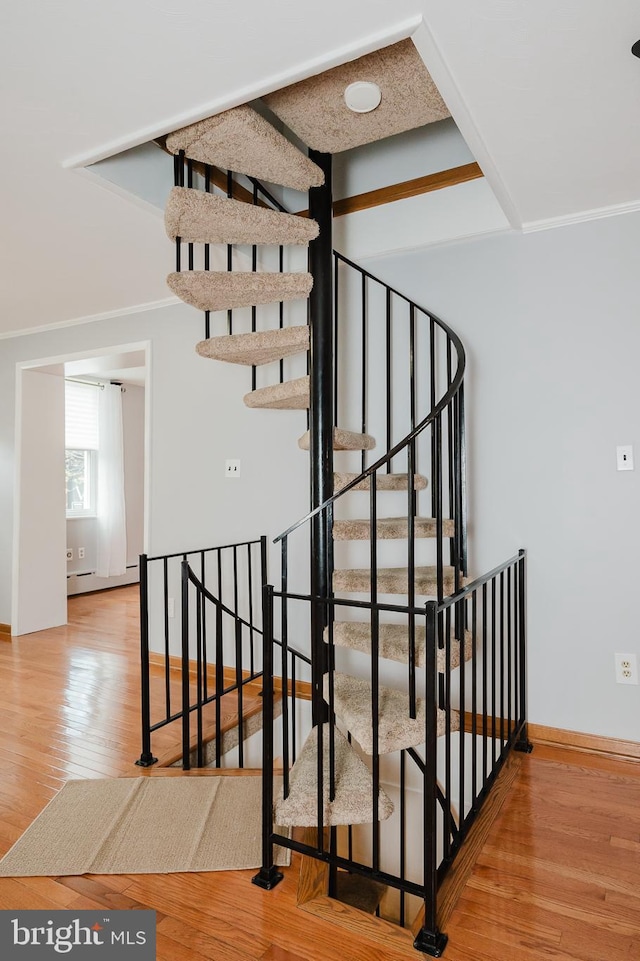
[[216, 601], [431, 416]]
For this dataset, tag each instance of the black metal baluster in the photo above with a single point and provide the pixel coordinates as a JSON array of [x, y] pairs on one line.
[[388, 385], [459, 618], [509, 639], [493, 670], [336, 336], [432, 401], [403, 833], [207, 261], [229, 251], [501, 659], [251, 624], [167, 657], [429, 939], [190, 184], [474, 693], [281, 307], [375, 669], [146, 758], [485, 613], [203, 581], [411, 578], [447, 735], [363, 371], [284, 628], [219, 664], [186, 736], [268, 876], [240, 689], [199, 728], [254, 309]]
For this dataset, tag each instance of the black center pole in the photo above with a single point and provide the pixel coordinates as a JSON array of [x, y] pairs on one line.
[[321, 419]]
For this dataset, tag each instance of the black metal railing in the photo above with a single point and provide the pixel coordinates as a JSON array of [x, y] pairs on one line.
[[471, 713], [201, 640]]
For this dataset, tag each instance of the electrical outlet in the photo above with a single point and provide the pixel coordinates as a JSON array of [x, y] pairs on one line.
[[232, 467], [171, 607], [626, 668], [624, 457], [80, 553], [69, 553]]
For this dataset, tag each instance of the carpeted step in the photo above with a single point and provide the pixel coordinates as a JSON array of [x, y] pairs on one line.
[[384, 482], [243, 141], [354, 786], [393, 580], [224, 290], [396, 730], [257, 348], [343, 440], [393, 642], [203, 218], [389, 528], [291, 395]]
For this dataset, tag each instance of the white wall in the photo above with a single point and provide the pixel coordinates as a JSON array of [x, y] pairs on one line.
[[40, 597], [197, 419], [550, 324]]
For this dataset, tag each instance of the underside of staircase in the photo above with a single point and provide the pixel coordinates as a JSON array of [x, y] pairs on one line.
[[366, 615]]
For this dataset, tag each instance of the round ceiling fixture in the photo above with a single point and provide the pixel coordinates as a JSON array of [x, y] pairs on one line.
[[635, 50], [362, 96]]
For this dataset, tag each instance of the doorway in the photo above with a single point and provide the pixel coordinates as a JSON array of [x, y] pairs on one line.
[[54, 555]]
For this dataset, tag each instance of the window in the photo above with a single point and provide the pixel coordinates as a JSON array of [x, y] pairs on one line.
[[81, 448]]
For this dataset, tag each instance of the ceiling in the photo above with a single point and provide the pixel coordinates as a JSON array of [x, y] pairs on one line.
[[547, 96]]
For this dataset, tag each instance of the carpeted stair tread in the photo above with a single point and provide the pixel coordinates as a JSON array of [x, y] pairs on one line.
[[393, 642], [393, 580], [203, 218], [354, 786], [224, 290], [389, 528], [384, 482], [343, 440], [396, 730], [290, 395], [243, 141], [361, 893], [257, 348]]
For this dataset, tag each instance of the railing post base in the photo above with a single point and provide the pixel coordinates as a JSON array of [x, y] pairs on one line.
[[523, 744], [267, 878], [146, 760], [432, 943]]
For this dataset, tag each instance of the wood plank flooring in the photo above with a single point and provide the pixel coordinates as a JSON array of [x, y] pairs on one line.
[[558, 877]]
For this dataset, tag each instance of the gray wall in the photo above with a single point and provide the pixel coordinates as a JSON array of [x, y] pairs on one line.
[[550, 323], [197, 419]]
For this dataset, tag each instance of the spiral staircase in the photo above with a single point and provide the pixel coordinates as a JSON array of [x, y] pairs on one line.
[[376, 613]]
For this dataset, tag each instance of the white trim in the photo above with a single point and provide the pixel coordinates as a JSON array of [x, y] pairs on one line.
[[436, 64], [92, 318], [351, 51], [598, 213]]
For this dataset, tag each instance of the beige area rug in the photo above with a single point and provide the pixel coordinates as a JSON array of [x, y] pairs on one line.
[[146, 825]]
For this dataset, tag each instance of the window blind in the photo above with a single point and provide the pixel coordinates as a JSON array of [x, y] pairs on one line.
[[81, 416]]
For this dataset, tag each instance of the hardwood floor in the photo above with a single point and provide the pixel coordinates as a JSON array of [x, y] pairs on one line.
[[559, 875]]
